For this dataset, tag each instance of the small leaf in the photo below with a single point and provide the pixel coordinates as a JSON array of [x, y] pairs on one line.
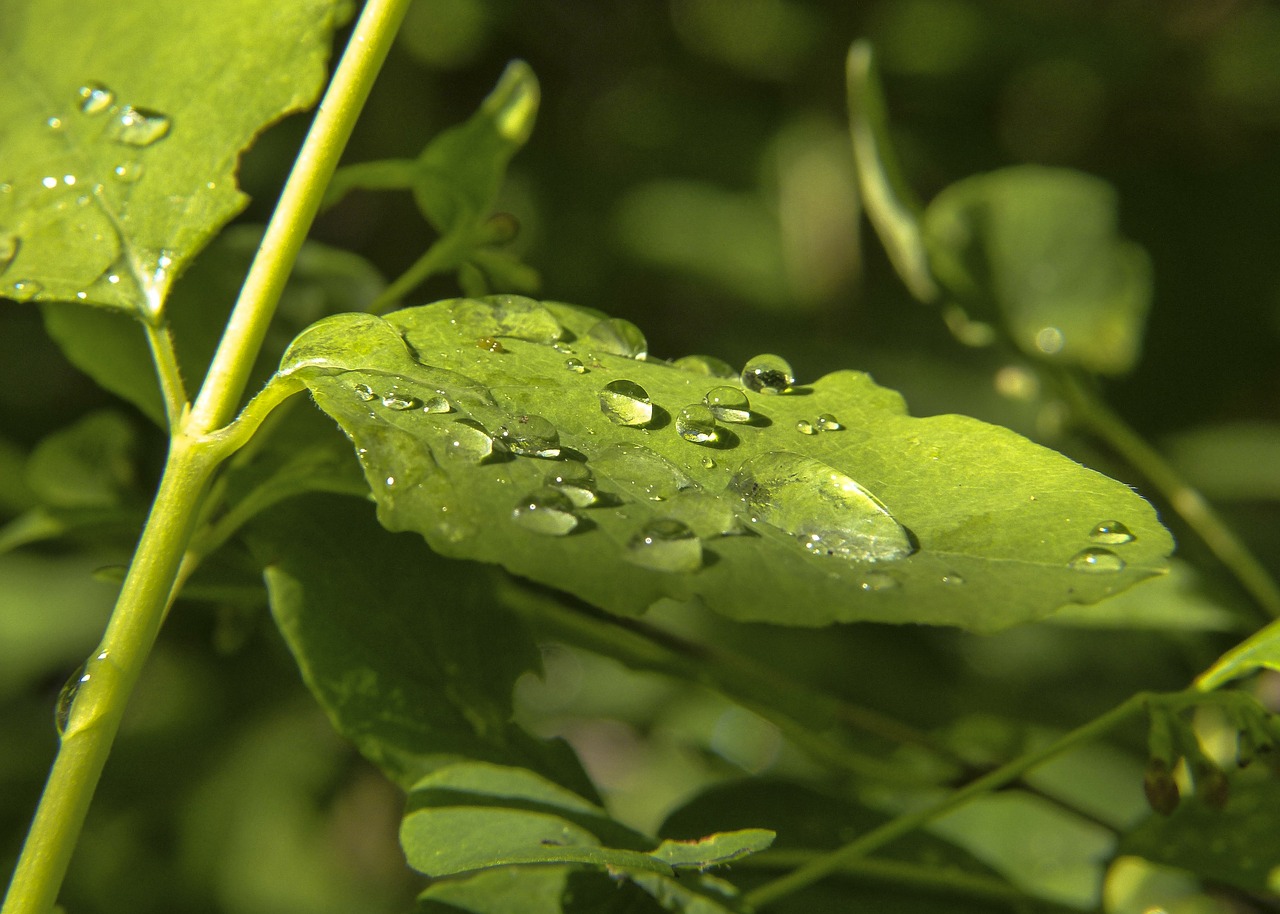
[[122, 142], [942, 520], [1041, 245], [1260, 651], [713, 850]]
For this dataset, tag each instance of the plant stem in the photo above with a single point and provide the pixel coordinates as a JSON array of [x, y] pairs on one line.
[[445, 254], [833, 862], [1094, 414], [163, 354], [104, 689]]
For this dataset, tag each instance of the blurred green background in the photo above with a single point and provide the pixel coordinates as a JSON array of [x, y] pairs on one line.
[[690, 171]]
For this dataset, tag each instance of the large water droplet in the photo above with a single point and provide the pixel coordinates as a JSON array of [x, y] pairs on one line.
[[696, 423], [666, 544], [805, 427], [576, 482], [438, 403], [706, 365], [626, 403], [575, 365], [95, 98], [618, 337], [641, 473], [828, 423], [829, 512], [81, 701], [469, 441], [1100, 561], [547, 511], [505, 315], [768, 374], [728, 404], [530, 436], [138, 126], [1111, 533]]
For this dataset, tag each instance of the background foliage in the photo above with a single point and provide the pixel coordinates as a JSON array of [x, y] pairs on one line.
[[690, 171]]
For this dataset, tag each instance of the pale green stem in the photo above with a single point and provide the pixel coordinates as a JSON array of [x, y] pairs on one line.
[[99, 704], [172, 388], [1093, 413], [441, 256], [821, 867]]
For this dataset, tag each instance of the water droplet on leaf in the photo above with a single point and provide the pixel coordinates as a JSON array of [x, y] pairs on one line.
[[626, 403], [547, 511], [706, 365], [707, 515], [400, 401], [505, 315], [696, 423], [575, 365], [666, 544], [768, 374], [878, 581], [489, 344], [617, 337], [708, 463], [1096, 560], [530, 436], [437, 404], [728, 404], [1111, 533], [469, 441], [576, 482], [25, 289], [138, 126], [641, 473], [828, 423], [953, 578], [829, 512], [805, 427], [128, 172], [95, 98], [54, 123]]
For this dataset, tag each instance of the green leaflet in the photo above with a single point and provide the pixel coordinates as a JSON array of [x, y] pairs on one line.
[[999, 529], [118, 169]]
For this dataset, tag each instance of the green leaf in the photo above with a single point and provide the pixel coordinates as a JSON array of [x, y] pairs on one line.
[[122, 135], [716, 849], [1233, 461], [1041, 246], [1261, 651], [87, 465], [1174, 602], [1244, 850], [410, 658], [1004, 528]]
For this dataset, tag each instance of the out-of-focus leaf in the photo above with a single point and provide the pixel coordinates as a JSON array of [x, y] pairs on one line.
[[1260, 651], [1042, 246], [772, 519], [1175, 602], [86, 465], [122, 134], [1236, 461]]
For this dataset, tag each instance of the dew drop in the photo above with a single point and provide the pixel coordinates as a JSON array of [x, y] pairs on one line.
[[364, 392], [768, 374], [49, 182], [138, 126], [830, 513], [1098, 561], [469, 441], [530, 436], [708, 463], [641, 472], [1111, 533], [67, 697], [953, 578], [54, 123], [828, 423], [728, 404], [25, 289], [511, 316], [76, 708], [128, 172], [626, 403], [399, 401], [805, 427], [617, 337], [877, 581], [547, 511], [489, 344], [95, 98], [437, 404], [707, 365], [575, 365], [666, 544], [576, 482], [697, 423]]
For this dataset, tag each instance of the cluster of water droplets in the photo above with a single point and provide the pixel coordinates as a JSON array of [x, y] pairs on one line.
[[1098, 558]]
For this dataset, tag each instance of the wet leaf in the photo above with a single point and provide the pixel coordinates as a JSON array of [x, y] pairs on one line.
[[886, 517], [121, 141]]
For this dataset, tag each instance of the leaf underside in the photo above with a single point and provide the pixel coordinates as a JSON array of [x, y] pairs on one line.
[[999, 529]]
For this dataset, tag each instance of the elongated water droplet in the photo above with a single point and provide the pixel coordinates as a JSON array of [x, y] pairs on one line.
[[878, 581], [511, 316], [666, 544], [626, 403], [437, 404], [696, 423], [952, 578], [575, 365], [469, 441], [530, 436], [398, 401], [80, 702], [1100, 561], [827, 423], [1111, 533], [138, 126], [547, 511], [768, 374], [641, 473], [95, 98], [489, 344], [618, 337], [805, 427], [728, 404], [576, 482], [706, 365], [829, 512]]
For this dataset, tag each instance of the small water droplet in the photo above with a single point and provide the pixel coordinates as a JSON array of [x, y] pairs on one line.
[[49, 182], [876, 581], [548, 511], [1096, 560], [75, 708], [728, 404], [364, 392], [708, 463], [511, 316], [828, 423], [399, 401], [489, 344], [953, 578], [530, 436], [25, 289], [54, 123], [437, 404], [95, 98], [128, 172], [1111, 533], [641, 472], [617, 337], [697, 423], [768, 374], [469, 441], [666, 544], [626, 403], [575, 365], [69, 180], [576, 482], [706, 365], [138, 126], [82, 296], [825, 509], [805, 427]]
